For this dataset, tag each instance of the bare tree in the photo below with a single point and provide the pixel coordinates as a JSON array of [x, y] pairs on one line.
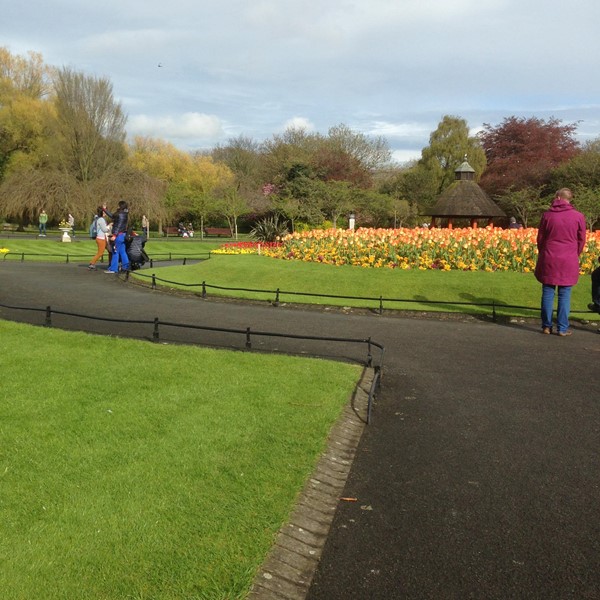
[[91, 125]]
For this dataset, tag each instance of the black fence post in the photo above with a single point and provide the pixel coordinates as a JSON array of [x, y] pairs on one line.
[[248, 342], [67, 261], [48, 322], [153, 281], [151, 262], [184, 259], [22, 256], [494, 311], [204, 289], [276, 303], [380, 305], [155, 332], [369, 354]]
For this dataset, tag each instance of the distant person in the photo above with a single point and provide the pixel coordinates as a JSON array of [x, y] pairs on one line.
[[595, 305], [71, 222], [145, 226], [102, 231], [514, 224], [560, 241], [42, 221], [119, 230]]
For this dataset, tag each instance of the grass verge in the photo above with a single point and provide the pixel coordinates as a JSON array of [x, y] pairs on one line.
[[131, 470], [418, 290]]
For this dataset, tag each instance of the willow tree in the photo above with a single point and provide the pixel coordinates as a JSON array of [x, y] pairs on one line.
[[449, 145], [81, 154]]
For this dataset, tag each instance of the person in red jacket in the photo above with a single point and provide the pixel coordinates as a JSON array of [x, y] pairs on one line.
[[560, 241]]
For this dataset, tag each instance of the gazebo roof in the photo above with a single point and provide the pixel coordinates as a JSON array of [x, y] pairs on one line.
[[464, 198]]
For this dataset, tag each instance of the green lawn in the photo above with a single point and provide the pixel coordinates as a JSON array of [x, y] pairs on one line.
[[134, 470], [419, 289], [83, 248]]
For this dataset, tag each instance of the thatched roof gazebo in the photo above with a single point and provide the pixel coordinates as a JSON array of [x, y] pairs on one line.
[[464, 199]]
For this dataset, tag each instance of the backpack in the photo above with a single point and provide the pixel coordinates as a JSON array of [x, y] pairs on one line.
[[94, 228]]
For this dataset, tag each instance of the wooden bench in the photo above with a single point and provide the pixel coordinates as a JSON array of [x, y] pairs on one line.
[[8, 227], [218, 231], [171, 231]]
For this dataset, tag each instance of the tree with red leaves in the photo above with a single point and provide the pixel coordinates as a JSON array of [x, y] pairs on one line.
[[521, 153]]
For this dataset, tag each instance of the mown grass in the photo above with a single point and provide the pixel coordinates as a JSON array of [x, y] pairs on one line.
[[415, 290], [435, 291], [51, 249], [131, 470]]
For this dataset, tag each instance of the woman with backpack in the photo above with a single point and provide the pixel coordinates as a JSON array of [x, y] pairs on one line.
[[101, 230]]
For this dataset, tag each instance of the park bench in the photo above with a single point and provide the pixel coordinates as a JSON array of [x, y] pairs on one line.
[[171, 231], [8, 227], [217, 231]]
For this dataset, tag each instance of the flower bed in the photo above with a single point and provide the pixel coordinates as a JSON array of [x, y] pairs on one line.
[[481, 249], [245, 247]]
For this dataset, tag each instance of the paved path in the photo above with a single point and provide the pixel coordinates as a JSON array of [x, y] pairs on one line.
[[479, 476]]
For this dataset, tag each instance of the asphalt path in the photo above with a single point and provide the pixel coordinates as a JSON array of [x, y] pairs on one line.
[[479, 476]]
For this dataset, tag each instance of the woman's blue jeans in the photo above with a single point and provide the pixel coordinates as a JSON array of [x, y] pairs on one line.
[[120, 253], [563, 310]]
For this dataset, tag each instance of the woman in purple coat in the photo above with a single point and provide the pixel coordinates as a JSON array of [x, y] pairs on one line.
[[560, 241]]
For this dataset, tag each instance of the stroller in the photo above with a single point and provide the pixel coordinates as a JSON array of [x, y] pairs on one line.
[[134, 244]]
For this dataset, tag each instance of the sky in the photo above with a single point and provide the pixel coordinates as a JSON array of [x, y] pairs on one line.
[[197, 72]]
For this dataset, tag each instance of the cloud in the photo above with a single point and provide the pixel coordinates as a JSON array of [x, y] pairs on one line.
[[188, 126], [298, 123]]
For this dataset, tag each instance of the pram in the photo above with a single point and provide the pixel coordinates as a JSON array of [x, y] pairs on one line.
[[135, 250]]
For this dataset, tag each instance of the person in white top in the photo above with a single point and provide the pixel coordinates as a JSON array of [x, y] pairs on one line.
[[101, 237]]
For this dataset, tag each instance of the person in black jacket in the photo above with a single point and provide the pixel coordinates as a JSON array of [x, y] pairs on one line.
[[119, 231], [135, 250], [595, 305]]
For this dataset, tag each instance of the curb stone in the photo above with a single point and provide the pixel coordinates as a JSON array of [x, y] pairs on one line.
[[290, 566]]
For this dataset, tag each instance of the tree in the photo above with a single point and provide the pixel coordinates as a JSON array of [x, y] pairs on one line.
[[232, 205], [27, 76], [587, 201], [332, 163], [25, 114], [336, 199], [90, 125], [449, 146], [525, 204], [371, 154], [242, 156], [522, 153], [190, 181], [581, 170], [375, 209]]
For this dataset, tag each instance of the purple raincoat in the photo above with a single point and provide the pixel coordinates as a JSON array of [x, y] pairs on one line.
[[560, 241]]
